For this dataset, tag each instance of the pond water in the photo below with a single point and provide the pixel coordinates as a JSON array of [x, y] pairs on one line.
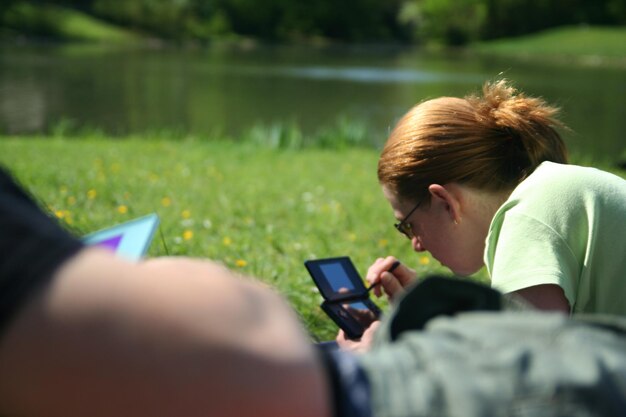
[[229, 90]]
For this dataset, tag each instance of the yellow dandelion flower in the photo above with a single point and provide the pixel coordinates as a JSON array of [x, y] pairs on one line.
[[187, 234], [241, 263], [166, 201], [424, 260], [185, 214], [122, 209], [59, 213], [382, 243], [227, 241], [91, 194]]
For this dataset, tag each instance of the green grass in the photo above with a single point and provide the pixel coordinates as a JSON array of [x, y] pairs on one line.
[[259, 210], [45, 20], [592, 45]]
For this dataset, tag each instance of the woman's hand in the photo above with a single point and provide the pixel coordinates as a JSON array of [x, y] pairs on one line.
[[392, 281], [358, 345]]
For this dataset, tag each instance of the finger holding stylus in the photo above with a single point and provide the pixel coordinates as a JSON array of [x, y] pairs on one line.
[[390, 276]]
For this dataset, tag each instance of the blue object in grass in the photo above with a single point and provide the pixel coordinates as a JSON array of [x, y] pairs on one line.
[[130, 239]]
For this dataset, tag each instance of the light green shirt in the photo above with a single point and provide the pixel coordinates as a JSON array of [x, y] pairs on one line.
[[563, 225]]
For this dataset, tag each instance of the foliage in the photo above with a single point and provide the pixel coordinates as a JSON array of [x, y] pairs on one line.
[[518, 17], [355, 20], [454, 22], [343, 134], [171, 19], [583, 43], [275, 136], [63, 23], [458, 22]]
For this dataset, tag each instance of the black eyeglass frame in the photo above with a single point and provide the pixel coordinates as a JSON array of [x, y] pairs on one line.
[[404, 227]]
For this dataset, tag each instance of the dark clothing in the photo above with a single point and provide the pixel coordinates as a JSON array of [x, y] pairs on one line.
[[350, 390], [32, 247], [446, 351]]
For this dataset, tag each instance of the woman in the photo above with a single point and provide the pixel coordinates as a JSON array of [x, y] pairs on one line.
[[484, 181]]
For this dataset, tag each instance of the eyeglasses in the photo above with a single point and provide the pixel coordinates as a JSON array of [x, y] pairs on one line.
[[404, 227]]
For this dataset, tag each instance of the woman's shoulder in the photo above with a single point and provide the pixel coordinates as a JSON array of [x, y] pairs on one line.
[[553, 180], [566, 194]]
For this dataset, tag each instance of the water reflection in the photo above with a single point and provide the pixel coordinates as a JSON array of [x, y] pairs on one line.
[[22, 106], [229, 90], [376, 75]]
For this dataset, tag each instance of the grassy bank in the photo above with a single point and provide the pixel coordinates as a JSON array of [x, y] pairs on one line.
[[584, 45], [47, 21], [260, 211]]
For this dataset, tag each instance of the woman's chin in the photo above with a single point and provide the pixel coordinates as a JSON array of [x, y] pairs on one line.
[[463, 272], [462, 269]]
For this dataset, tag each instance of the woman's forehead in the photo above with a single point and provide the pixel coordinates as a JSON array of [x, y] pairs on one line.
[[398, 204]]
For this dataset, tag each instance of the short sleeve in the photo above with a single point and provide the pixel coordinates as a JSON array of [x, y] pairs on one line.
[[529, 253]]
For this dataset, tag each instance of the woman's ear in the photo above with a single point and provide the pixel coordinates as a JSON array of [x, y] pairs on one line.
[[448, 196]]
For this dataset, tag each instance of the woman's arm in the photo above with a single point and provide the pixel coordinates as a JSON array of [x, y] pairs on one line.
[[546, 297]]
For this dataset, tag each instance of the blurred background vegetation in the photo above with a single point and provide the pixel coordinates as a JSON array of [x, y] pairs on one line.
[[450, 22]]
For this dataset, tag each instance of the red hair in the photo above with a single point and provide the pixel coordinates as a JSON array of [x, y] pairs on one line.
[[490, 142]]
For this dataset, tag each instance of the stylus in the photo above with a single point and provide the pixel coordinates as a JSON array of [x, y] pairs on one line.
[[393, 266]]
